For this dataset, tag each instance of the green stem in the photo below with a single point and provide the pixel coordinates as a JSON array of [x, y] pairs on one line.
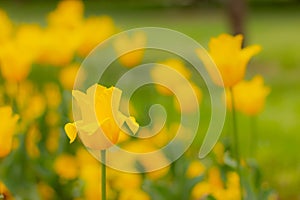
[[253, 136], [103, 174], [236, 141]]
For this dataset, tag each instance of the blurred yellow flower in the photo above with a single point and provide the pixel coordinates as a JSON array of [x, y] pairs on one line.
[[28, 36], [5, 194], [126, 181], [214, 178], [85, 158], [52, 142], [134, 194], [5, 27], [35, 107], [45, 191], [158, 173], [15, 61], [185, 105], [196, 168], [67, 75], [249, 96], [229, 57], [201, 190], [52, 52], [233, 186], [52, 95], [144, 146], [66, 166], [88, 173], [94, 31], [158, 74], [8, 122], [68, 14], [101, 120], [219, 152], [125, 43], [32, 138]]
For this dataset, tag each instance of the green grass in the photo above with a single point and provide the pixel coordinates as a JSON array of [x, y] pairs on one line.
[[277, 30]]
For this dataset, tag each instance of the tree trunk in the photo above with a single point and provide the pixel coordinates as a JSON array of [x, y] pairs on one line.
[[237, 14]]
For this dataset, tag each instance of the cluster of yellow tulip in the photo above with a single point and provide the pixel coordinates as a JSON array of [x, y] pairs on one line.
[[33, 146]]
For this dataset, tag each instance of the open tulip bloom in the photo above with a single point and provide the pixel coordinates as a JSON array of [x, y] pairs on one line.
[[101, 121]]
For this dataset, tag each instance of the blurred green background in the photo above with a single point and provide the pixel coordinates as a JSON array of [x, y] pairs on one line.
[[275, 25]]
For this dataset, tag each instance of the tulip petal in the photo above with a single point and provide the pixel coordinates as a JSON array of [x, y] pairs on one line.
[[132, 124], [71, 131], [248, 52]]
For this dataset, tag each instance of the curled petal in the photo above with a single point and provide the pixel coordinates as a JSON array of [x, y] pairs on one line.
[[71, 131], [132, 124]]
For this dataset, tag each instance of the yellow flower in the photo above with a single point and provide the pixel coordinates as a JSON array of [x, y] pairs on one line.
[[5, 27], [233, 185], [52, 142], [229, 57], [101, 120], [94, 31], [201, 190], [214, 178], [67, 76], [88, 172], [144, 146], [134, 194], [5, 193], [158, 74], [15, 61], [28, 36], [7, 128], [53, 52], [53, 95], [32, 138], [66, 166], [185, 105], [126, 181], [196, 168], [45, 191], [68, 14], [219, 152], [124, 43], [158, 173], [249, 96]]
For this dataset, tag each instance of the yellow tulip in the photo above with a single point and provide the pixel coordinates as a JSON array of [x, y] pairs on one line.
[[66, 167], [196, 168], [134, 194], [46, 192], [159, 74], [15, 61], [8, 122], [101, 121], [32, 138], [201, 190], [5, 27], [28, 36], [94, 31], [52, 51], [68, 14], [67, 76], [229, 57], [125, 43], [52, 142], [249, 96]]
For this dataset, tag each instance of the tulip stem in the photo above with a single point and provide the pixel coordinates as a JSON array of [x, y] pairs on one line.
[[253, 136], [236, 141], [103, 174]]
